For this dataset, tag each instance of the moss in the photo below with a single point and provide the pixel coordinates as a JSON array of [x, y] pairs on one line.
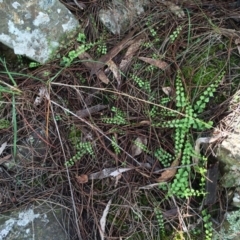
[[4, 123], [210, 65], [74, 135]]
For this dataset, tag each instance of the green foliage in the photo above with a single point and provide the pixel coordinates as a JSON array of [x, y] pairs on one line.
[[175, 34], [207, 224], [102, 48], [208, 67], [184, 118], [58, 117], [83, 47], [147, 44], [153, 112], [4, 123], [142, 146], [82, 149], [116, 148], [81, 38], [160, 221], [13, 90], [152, 32], [34, 64], [180, 186], [164, 157], [184, 106], [183, 147], [144, 85], [5, 87], [74, 134], [119, 117], [205, 96]]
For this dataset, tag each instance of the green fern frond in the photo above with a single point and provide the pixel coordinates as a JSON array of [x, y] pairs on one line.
[[82, 149], [205, 96], [119, 117]]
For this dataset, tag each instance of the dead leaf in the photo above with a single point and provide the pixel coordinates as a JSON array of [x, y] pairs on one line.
[[95, 66], [102, 76], [130, 53], [136, 150], [157, 63], [167, 90], [237, 42], [83, 178], [100, 63], [145, 122], [4, 159], [3, 146], [116, 73], [150, 186], [175, 9], [89, 111], [230, 33], [169, 173], [103, 220], [43, 92], [118, 177], [119, 171], [88, 62], [108, 172], [208, 140]]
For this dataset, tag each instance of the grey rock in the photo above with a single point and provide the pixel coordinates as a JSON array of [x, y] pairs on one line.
[[35, 28], [120, 14], [228, 151], [30, 149], [40, 222]]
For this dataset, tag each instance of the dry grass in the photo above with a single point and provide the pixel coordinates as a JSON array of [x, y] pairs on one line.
[[42, 175]]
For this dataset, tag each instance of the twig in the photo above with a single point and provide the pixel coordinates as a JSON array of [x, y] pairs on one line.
[[80, 5]]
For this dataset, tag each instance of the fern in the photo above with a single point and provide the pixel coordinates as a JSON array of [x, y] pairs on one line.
[[115, 146], [160, 221], [164, 157], [82, 148], [204, 98], [119, 117], [182, 125]]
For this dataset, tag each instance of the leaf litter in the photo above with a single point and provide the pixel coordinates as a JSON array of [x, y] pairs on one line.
[[88, 176]]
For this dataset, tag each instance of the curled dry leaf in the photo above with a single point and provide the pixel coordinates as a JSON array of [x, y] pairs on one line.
[[3, 146], [119, 171], [116, 73], [136, 150], [83, 178], [101, 62], [130, 53], [102, 76], [169, 173], [157, 63], [145, 122], [87, 61], [237, 42], [208, 140], [168, 91], [175, 9], [88, 111], [229, 33], [103, 219], [43, 92], [5, 159], [108, 172]]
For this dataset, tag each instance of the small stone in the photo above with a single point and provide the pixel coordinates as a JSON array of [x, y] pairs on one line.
[[35, 28]]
